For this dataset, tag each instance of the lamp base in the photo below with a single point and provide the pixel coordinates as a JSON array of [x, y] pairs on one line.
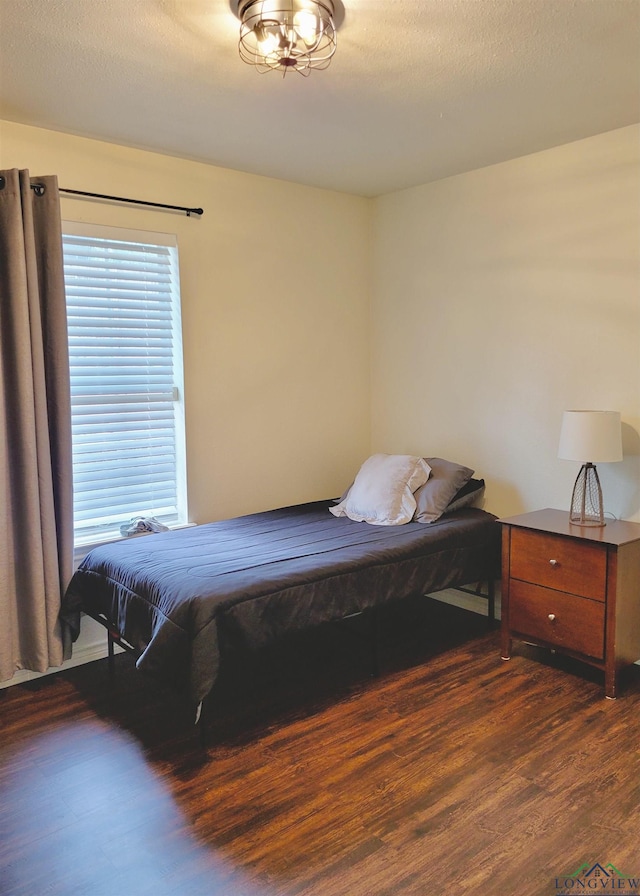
[[586, 499]]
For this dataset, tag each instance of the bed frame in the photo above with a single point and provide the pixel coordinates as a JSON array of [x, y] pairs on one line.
[[114, 639], [175, 598]]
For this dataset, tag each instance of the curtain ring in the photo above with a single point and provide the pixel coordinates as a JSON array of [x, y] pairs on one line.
[[39, 189], [3, 182]]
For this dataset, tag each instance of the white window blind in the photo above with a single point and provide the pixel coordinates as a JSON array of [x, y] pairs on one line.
[[123, 310]]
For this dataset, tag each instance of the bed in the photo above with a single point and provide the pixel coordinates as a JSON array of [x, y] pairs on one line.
[[177, 597]]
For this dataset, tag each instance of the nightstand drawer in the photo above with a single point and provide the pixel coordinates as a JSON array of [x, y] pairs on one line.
[[561, 563], [562, 620]]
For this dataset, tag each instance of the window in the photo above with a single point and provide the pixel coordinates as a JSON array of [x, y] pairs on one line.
[[123, 310]]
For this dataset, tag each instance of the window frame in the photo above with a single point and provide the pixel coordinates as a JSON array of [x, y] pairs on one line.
[[150, 238]]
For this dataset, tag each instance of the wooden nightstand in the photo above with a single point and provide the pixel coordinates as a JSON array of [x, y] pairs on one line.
[[575, 589]]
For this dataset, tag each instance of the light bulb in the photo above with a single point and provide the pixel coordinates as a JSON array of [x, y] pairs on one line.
[[268, 41], [306, 24]]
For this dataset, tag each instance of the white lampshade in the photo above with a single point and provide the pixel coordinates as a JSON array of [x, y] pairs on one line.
[[591, 436]]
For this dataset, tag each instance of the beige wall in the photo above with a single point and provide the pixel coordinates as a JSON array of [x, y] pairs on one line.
[[275, 306], [499, 298], [503, 297]]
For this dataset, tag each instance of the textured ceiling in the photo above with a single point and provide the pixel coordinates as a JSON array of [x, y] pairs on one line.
[[417, 90]]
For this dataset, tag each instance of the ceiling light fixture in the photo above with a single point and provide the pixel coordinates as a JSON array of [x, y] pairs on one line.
[[287, 35]]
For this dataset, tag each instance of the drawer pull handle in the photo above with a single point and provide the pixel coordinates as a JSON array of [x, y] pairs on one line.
[[553, 562], [551, 617]]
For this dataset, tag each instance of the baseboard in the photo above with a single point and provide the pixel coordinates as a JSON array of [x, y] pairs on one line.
[[97, 650], [85, 653], [466, 601], [96, 647]]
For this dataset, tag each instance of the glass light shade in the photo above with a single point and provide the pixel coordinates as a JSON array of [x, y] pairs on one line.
[[287, 35]]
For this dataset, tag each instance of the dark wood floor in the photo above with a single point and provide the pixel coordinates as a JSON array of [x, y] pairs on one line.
[[453, 772]]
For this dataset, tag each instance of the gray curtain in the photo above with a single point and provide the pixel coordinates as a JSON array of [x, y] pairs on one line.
[[36, 492]]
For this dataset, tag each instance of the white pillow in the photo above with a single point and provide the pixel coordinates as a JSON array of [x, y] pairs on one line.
[[382, 493]]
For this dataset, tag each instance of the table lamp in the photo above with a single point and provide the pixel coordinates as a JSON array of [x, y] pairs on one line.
[[590, 437]]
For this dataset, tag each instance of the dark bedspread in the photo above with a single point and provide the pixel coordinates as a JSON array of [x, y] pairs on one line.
[[172, 595]]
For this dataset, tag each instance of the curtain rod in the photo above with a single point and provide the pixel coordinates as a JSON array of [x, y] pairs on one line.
[[40, 188]]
